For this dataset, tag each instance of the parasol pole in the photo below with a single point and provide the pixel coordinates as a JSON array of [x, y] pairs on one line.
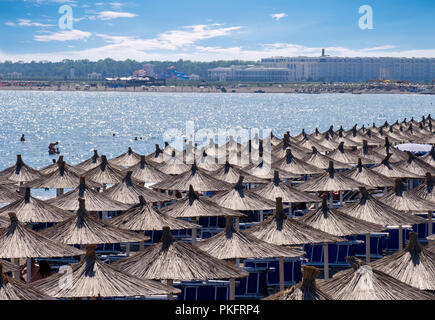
[[400, 238], [16, 274], [368, 247], [127, 249], [29, 270], [331, 199], [170, 283], [194, 232], [233, 284], [59, 192], [325, 261], [341, 198], [261, 215], [141, 245], [237, 224], [430, 223], [281, 273]]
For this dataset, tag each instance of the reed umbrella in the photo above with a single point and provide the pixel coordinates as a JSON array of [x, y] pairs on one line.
[[359, 138], [54, 167], [95, 201], [274, 140], [310, 143], [230, 145], [396, 154], [198, 178], [231, 174], [105, 173], [265, 171], [20, 173], [381, 134], [176, 260], [7, 196], [128, 159], [4, 222], [129, 190], [426, 191], [321, 161], [339, 138], [90, 163], [32, 210], [391, 170], [16, 241], [84, 228], [231, 244], [430, 157], [364, 282], [294, 165], [11, 289], [146, 172], [368, 177], [9, 266], [416, 165], [62, 178], [415, 265], [367, 154], [93, 278], [175, 165], [207, 162], [307, 289], [341, 155], [156, 156], [328, 142], [280, 151], [337, 223], [370, 209]]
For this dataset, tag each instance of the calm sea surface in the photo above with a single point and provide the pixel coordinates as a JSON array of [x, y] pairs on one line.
[[82, 121]]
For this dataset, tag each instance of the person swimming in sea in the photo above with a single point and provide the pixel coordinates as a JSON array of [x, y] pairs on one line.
[[52, 149], [22, 138]]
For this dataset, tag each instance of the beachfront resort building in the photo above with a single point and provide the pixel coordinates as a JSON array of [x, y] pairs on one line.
[[330, 69]]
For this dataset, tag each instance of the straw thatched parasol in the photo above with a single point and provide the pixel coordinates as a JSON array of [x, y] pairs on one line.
[[294, 165], [396, 154], [8, 266], [330, 181], [307, 289], [174, 165], [129, 190], [281, 230], [321, 161], [90, 163], [4, 222], [278, 189], [143, 217], [367, 154], [343, 156], [430, 157], [16, 241], [177, 260], [207, 162], [231, 174], [54, 166], [156, 156], [146, 172], [20, 172], [391, 170], [362, 282], [95, 201], [84, 228], [237, 198], [11, 289], [128, 159], [415, 265], [198, 178], [368, 177], [32, 210], [62, 178], [264, 170], [327, 141], [416, 165], [310, 143], [105, 173], [7, 196], [93, 278], [339, 138], [426, 190]]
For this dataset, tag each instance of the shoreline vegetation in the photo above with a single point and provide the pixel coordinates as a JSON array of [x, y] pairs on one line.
[[306, 88]]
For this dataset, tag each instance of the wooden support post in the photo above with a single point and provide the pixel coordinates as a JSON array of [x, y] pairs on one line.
[[368, 247], [281, 273], [400, 238], [325, 261]]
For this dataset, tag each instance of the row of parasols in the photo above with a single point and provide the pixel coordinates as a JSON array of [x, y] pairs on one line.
[[163, 191]]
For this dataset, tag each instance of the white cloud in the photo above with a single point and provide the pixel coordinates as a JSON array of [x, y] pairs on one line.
[[116, 5], [109, 15], [279, 16], [27, 23], [66, 35]]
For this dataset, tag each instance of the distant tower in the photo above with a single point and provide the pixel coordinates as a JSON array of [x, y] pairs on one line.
[[72, 74], [323, 52]]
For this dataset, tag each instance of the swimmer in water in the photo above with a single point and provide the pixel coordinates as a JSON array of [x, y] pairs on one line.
[[22, 138]]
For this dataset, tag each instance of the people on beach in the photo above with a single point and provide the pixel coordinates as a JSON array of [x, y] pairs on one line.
[[38, 271]]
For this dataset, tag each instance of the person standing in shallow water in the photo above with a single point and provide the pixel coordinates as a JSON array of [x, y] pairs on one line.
[[22, 138]]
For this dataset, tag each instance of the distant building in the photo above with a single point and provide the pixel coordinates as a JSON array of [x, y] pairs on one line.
[[94, 76], [72, 74], [251, 73], [14, 75], [194, 77], [134, 82], [149, 69]]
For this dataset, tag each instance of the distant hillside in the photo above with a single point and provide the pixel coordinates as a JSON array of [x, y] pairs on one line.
[[107, 67]]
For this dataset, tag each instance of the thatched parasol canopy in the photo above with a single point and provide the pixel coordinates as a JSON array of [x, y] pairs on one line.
[[128, 159], [231, 174], [7, 196], [4, 223], [238, 198], [406, 200], [105, 173], [192, 206], [310, 143], [307, 289], [396, 154], [16, 241], [362, 282], [146, 172], [54, 167], [281, 230], [430, 157], [278, 189], [177, 260], [174, 165], [264, 170], [338, 223], [95, 201], [11, 289], [198, 178], [62, 178], [341, 155], [32, 210], [208, 162], [129, 190], [280, 150], [390, 170], [20, 172], [90, 163], [368, 177], [143, 217], [369, 208], [330, 181], [156, 156], [426, 190], [369, 155], [232, 244], [326, 141], [416, 165], [84, 228], [321, 161], [93, 278], [294, 165], [415, 265], [9, 266]]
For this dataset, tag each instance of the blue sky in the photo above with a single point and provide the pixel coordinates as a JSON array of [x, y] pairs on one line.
[[211, 30]]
